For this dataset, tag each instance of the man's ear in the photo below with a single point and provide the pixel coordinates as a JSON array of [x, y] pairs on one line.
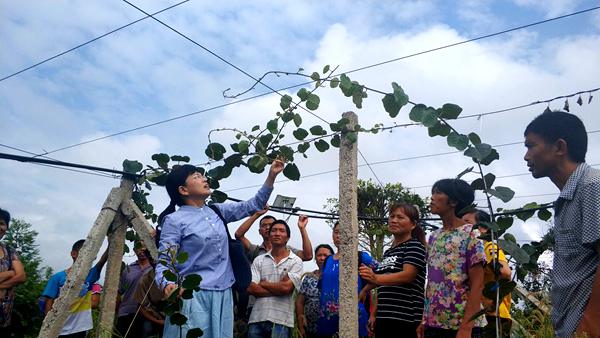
[[561, 148], [182, 190]]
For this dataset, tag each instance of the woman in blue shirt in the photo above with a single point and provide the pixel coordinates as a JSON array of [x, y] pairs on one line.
[[328, 322], [197, 230]]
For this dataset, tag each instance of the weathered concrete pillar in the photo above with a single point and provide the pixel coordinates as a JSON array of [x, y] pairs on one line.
[[116, 245], [348, 250], [140, 225], [56, 318]]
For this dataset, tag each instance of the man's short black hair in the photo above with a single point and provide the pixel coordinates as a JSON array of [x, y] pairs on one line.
[[324, 246], [267, 217], [458, 191], [554, 125], [481, 216], [280, 221], [5, 215], [78, 245]]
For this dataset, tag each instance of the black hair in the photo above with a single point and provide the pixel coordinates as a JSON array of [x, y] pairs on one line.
[[481, 216], [267, 217], [324, 246], [458, 191], [5, 215], [78, 245], [412, 212], [280, 221], [175, 179], [554, 125]]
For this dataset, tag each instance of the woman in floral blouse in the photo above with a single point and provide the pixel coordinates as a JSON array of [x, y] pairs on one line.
[[454, 266], [307, 301]]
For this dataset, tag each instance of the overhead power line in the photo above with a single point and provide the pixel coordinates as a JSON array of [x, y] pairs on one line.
[[88, 42]]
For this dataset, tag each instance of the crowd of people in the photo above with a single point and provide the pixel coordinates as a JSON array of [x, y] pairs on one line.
[[425, 286]]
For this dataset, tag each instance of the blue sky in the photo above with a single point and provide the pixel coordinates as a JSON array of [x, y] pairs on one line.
[[146, 73]]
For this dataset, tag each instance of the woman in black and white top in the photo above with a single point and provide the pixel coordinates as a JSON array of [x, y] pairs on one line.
[[400, 277]]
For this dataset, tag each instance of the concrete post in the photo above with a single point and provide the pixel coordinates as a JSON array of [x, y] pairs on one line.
[[56, 318], [348, 250]]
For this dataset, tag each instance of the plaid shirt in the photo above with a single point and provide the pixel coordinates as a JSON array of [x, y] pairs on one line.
[[577, 233]]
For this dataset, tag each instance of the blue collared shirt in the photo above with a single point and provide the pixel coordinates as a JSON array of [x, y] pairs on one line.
[[200, 233]]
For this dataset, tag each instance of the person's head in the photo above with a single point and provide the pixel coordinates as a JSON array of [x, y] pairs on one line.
[[75, 249], [552, 138], [403, 220], [477, 216], [279, 233], [4, 221], [140, 250], [321, 253], [451, 195], [264, 225], [335, 234]]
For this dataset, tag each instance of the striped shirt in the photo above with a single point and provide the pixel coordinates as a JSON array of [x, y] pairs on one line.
[[577, 234], [402, 302], [275, 309]]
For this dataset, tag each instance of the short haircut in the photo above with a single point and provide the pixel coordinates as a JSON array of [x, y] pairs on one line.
[[5, 215], [480, 216], [458, 191], [280, 221], [554, 125], [267, 217], [324, 246], [78, 245]]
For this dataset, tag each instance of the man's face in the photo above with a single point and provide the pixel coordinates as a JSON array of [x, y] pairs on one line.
[[140, 252], [3, 227], [278, 235], [540, 157], [263, 229]]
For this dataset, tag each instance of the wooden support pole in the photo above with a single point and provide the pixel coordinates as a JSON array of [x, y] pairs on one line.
[[348, 228], [140, 225], [116, 244], [56, 318]]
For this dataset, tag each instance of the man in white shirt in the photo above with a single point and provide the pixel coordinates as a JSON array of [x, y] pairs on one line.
[[274, 277]]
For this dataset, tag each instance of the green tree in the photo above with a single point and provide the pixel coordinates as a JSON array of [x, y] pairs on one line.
[[373, 202], [26, 317]]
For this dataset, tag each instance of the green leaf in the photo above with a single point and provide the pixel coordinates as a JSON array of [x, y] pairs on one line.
[[390, 105], [335, 141], [169, 276], [257, 164], [132, 166], [178, 319], [317, 130], [440, 129], [130, 235], [300, 134], [478, 152], [464, 172], [544, 214], [450, 111], [489, 181], [504, 222], [357, 98], [285, 102], [215, 151], [194, 333], [312, 102], [287, 153], [510, 237], [503, 193], [256, 127], [491, 157], [162, 159], [334, 82], [303, 94], [514, 251], [272, 126], [325, 69], [297, 120], [474, 138], [315, 76], [303, 147], [287, 116], [182, 257], [352, 137], [321, 145], [191, 281], [265, 140], [187, 294], [291, 171], [179, 158], [218, 196], [399, 95], [457, 141], [346, 86], [243, 147], [416, 113], [430, 117]]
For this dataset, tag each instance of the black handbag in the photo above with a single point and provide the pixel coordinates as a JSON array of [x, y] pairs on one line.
[[237, 255]]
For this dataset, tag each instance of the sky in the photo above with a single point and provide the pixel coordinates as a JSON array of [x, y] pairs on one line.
[[147, 73]]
